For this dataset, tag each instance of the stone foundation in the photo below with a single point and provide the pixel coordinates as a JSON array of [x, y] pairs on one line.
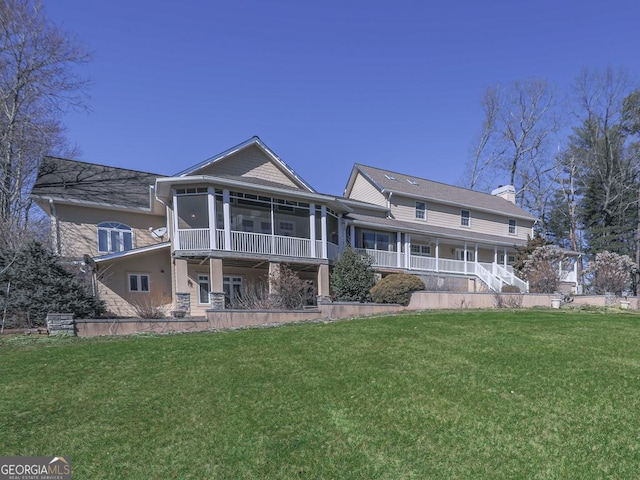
[[61, 323]]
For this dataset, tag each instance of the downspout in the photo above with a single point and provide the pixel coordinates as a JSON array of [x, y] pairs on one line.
[[389, 204], [55, 228]]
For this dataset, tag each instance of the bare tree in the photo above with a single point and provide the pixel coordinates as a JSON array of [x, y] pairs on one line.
[[38, 83], [484, 157], [520, 121]]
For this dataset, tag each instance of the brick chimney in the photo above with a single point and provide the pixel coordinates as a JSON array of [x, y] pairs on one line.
[[508, 192]]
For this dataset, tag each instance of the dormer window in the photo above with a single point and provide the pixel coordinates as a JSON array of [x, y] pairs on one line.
[[114, 237]]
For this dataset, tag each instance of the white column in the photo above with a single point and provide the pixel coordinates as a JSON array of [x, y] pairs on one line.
[[226, 209], [211, 199], [495, 254], [504, 262], [341, 233], [407, 250], [176, 235], [323, 231], [437, 254], [465, 257], [352, 234], [312, 228], [399, 249], [476, 253]]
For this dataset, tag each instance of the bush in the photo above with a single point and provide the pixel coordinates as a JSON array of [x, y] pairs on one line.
[[542, 269], [151, 306], [396, 288], [288, 292], [510, 289], [352, 277], [34, 283], [611, 272]]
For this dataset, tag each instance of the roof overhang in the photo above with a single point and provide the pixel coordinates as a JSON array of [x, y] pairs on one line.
[[132, 253]]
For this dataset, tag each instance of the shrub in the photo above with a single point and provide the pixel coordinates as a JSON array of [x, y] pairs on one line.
[[288, 291], [352, 277], [542, 269], [151, 306], [34, 283], [510, 289], [611, 272], [396, 288]]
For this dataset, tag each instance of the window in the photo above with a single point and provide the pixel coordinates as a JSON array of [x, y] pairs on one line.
[[287, 229], [465, 218], [421, 250], [421, 210], [376, 241], [512, 226], [114, 237], [460, 255], [510, 259], [203, 289], [232, 287], [138, 282]]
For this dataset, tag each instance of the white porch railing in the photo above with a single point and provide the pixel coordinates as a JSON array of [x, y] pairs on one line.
[[493, 282], [247, 242], [194, 239], [493, 275], [509, 277]]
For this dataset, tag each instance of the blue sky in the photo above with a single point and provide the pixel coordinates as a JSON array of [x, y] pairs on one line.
[[324, 84]]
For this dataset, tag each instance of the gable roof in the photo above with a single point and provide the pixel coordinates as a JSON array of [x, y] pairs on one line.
[[421, 188], [252, 142], [73, 181]]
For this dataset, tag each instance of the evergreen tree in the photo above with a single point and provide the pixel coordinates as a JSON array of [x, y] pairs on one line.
[[34, 283], [352, 277]]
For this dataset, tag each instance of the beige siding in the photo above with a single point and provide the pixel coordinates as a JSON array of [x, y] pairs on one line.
[[250, 162], [449, 216], [363, 190], [79, 228], [113, 285]]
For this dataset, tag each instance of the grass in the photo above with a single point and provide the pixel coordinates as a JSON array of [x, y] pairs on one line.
[[494, 394]]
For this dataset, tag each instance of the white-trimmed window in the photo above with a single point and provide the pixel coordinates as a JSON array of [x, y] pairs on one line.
[[465, 218], [232, 287], [421, 210], [513, 226], [460, 255], [138, 282], [204, 288], [114, 237], [510, 259], [421, 250], [286, 228]]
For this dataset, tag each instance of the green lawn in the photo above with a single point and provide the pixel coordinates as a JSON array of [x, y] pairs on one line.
[[468, 395]]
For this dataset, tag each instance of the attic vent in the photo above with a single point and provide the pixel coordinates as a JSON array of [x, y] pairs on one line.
[[390, 177], [412, 182]]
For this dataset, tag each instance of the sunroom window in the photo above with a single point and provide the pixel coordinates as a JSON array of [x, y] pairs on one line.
[[114, 237]]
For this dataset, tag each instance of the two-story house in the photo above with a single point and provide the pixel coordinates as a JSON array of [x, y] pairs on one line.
[[194, 239]]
